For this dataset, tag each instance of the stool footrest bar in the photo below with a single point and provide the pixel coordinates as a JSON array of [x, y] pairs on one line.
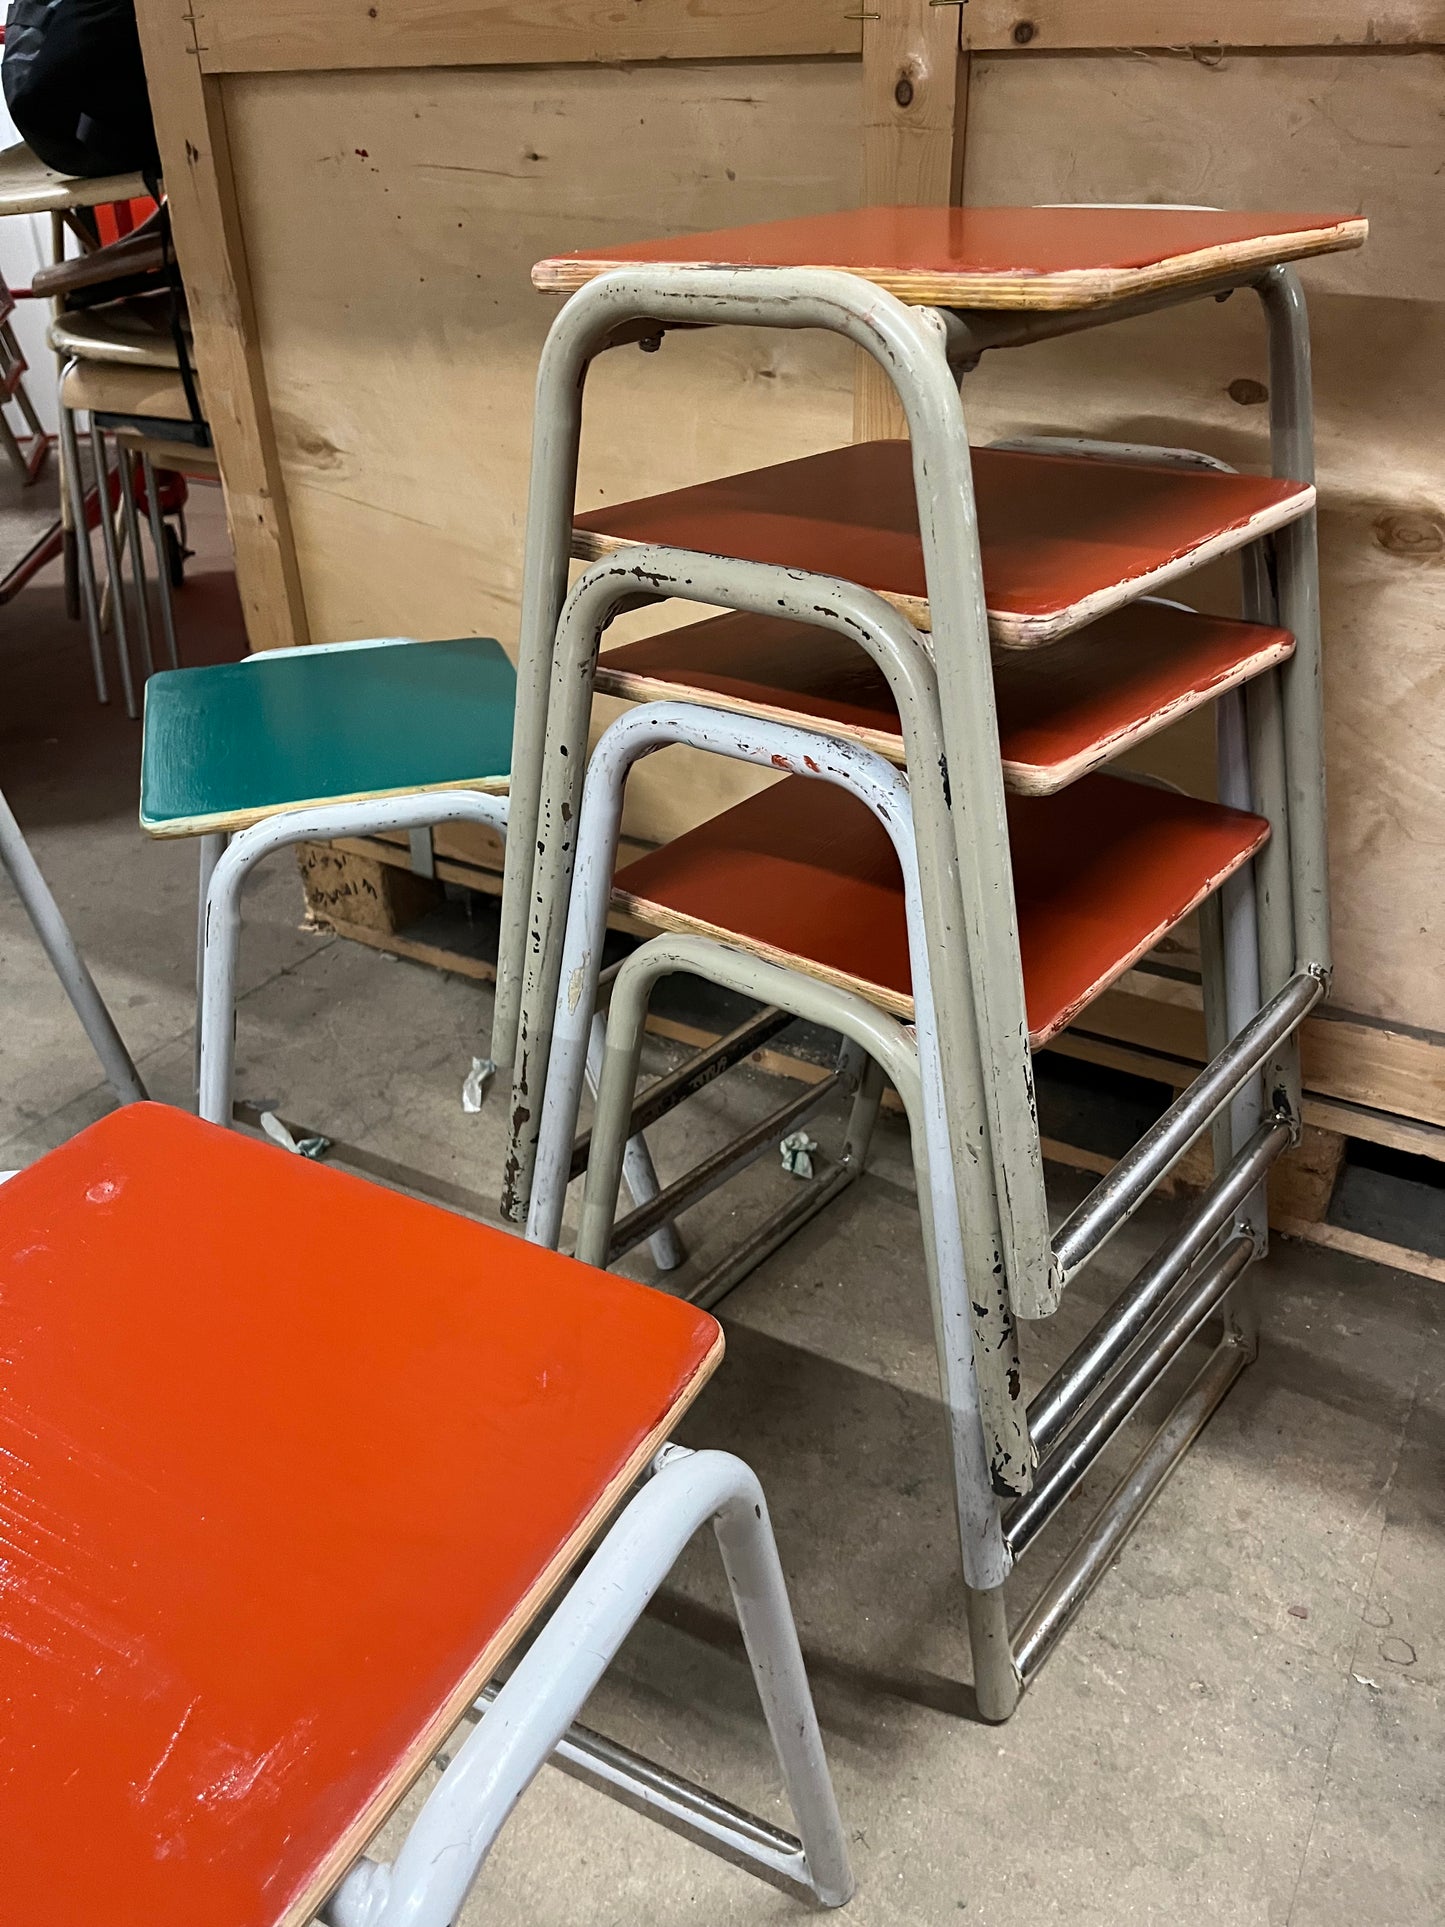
[[1152, 1355], [682, 1806], [706, 1177], [1071, 1585], [1087, 1368], [1116, 1197], [745, 1259], [666, 1093]]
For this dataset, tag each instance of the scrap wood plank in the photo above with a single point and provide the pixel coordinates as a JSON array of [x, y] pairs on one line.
[[1053, 26], [915, 105], [299, 36]]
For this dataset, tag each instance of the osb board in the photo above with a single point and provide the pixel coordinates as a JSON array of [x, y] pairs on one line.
[[392, 220], [1292, 129]]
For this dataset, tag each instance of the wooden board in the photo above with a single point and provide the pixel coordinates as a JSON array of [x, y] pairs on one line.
[[279, 36], [1064, 539], [807, 876], [1061, 711], [195, 144], [203, 1457], [1051, 25], [1043, 258], [1198, 377]]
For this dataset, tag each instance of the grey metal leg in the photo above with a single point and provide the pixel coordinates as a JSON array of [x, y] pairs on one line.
[[213, 848], [639, 1172], [527, 1721], [163, 564], [137, 558], [986, 1560], [74, 482], [76, 980], [912, 346], [883, 633], [112, 564], [784, 747]]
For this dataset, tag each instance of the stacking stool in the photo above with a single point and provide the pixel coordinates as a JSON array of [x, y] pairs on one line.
[[276, 1524], [331, 740], [1029, 906], [120, 365]]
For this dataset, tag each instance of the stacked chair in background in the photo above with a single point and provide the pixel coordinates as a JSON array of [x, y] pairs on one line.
[[957, 640]]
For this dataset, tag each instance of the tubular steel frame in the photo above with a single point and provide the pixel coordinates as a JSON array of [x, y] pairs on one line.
[[1137, 1339], [69, 966], [923, 351], [1264, 939], [530, 1718], [225, 864]]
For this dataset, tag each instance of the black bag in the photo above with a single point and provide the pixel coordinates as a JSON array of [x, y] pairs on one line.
[[75, 85]]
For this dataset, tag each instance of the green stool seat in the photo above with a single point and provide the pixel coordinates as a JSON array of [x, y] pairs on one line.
[[224, 747]]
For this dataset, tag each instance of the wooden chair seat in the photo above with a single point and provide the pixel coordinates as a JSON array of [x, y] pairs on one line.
[[1061, 710], [225, 746], [28, 186], [139, 390], [994, 257], [1064, 538], [805, 874], [126, 335], [277, 1504]]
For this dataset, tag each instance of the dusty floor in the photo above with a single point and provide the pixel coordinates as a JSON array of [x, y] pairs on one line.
[[1246, 1724]]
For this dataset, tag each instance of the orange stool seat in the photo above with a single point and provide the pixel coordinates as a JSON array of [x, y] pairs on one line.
[[1061, 710], [806, 875], [276, 1505], [994, 257], [1065, 538]]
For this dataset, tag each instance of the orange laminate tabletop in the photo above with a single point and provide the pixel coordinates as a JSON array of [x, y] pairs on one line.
[[1061, 710], [804, 872], [1064, 538], [994, 257], [288, 1462]]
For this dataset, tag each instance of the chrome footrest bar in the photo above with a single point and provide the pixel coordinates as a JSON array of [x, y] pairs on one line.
[[1120, 1194], [666, 1093], [1126, 1505], [769, 1237], [681, 1805], [1152, 1355], [1084, 1371], [724, 1163]]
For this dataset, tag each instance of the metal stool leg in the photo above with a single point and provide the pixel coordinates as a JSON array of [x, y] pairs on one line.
[[527, 1721], [74, 481], [638, 1171], [112, 565], [137, 558], [163, 566], [79, 986], [986, 1561]]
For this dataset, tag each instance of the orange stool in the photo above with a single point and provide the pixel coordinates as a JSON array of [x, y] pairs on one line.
[[274, 1522]]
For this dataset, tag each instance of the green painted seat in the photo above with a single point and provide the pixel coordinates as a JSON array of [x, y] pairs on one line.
[[226, 746]]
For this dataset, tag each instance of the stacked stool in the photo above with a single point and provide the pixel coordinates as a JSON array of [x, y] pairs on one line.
[[995, 883], [277, 1520]]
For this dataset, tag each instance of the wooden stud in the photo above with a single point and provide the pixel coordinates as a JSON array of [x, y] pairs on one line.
[[915, 103], [1051, 26], [195, 151], [323, 36]]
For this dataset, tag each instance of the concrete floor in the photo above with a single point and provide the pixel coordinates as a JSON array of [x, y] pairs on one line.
[[1246, 1724]]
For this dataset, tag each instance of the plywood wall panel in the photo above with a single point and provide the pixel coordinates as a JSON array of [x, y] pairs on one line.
[[392, 220], [1288, 130]]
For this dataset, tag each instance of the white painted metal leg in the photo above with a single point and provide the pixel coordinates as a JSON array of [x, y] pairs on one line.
[[638, 1171], [69, 965], [529, 1717]]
